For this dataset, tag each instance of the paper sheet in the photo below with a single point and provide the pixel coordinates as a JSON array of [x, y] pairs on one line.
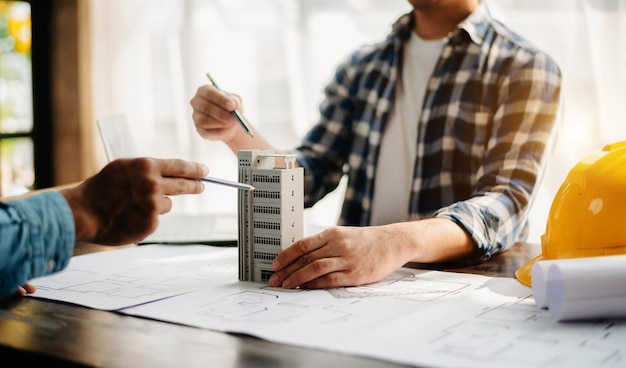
[[125, 277], [581, 288], [415, 317], [326, 317], [491, 322]]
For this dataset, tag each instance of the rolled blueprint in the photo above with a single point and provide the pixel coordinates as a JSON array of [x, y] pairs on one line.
[[581, 288]]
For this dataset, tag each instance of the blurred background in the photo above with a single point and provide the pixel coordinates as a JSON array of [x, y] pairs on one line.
[[66, 63]]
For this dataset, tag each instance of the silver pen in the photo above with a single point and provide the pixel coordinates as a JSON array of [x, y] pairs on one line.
[[234, 184], [239, 117]]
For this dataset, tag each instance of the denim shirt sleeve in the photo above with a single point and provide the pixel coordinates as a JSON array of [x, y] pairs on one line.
[[36, 238]]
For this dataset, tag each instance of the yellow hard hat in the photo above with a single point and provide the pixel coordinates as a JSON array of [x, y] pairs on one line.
[[588, 214]]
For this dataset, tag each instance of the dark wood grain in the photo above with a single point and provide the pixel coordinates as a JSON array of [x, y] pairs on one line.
[[36, 331]]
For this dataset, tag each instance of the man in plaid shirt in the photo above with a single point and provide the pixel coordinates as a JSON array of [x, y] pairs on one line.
[[443, 130]]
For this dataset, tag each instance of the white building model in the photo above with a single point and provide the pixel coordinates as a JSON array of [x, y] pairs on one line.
[[271, 216]]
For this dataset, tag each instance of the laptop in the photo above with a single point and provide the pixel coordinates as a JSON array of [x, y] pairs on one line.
[[174, 227]]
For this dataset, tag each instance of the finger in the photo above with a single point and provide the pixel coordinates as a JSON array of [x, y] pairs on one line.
[[213, 107], [238, 102], [297, 250], [212, 94], [30, 288], [178, 186], [305, 268], [164, 205], [320, 269], [212, 129], [220, 98], [329, 280], [27, 288], [21, 291], [182, 169]]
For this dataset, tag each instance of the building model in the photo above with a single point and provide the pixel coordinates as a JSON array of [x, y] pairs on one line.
[[271, 216]]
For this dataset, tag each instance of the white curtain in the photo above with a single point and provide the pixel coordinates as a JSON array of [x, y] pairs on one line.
[[151, 55], [606, 29], [587, 38]]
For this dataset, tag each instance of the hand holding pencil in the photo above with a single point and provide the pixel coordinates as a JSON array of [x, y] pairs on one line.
[[217, 116], [240, 118]]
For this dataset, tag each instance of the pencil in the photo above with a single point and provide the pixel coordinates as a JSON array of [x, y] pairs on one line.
[[239, 117], [234, 184]]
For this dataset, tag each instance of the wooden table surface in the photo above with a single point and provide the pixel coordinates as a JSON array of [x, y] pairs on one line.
[[36, 331]]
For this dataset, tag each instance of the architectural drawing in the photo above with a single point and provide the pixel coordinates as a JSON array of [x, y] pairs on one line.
[[405, 289], [109, 281], [402, 282], [271, 216], [414, 317], [517, 333]]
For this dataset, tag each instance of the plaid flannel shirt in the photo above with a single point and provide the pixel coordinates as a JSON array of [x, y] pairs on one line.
[[487, 125]]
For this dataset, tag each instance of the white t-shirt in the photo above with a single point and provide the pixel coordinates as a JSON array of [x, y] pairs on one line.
[[394, 174]]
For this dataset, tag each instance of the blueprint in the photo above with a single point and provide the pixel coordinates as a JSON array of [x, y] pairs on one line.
[[125, 277], [415, 317], [453, 320], [581, 288]]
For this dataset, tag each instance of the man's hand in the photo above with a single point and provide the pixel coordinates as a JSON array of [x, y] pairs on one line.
[[352, 256], [120, 205], [338, 256], [27, 288], [212, 114]]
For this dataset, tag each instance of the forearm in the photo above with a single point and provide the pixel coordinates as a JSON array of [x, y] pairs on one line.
[[432, 240], [36, 239]]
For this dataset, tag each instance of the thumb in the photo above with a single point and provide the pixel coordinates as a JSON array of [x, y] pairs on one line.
[[238, 100]]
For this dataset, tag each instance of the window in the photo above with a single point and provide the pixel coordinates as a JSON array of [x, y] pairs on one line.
[[25, 156]]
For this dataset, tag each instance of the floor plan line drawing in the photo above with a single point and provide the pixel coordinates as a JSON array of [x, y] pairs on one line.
[[499, 330], [509, 331], [93, 281], [405, 283], [451, 319], [257, 304]]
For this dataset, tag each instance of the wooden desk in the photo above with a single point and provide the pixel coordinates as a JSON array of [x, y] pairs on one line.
[[35, 331]]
